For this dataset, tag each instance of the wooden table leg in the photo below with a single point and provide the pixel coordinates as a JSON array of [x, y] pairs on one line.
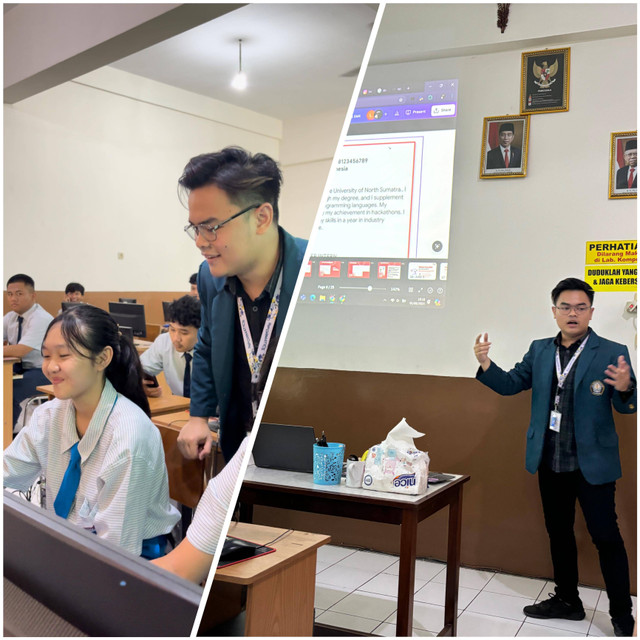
[[282, 604], [407, 574], [453, 564]]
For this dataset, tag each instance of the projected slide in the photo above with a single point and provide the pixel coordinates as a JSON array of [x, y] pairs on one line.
[[383, 233]]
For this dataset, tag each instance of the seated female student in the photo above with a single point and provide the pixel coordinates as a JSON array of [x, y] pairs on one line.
[[100, 453], [191, 559]]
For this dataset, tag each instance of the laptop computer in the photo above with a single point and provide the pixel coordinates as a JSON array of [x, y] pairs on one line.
[[284, 446]]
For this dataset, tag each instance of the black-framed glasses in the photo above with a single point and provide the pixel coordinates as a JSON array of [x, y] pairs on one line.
[[210, 232], [565, 309]]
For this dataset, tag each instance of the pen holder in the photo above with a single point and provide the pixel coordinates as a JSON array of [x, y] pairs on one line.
[[327, 463]]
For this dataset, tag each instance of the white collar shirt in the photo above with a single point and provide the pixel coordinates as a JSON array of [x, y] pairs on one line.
[[34, 326], [207, 525], [162, 356], [123, 495]]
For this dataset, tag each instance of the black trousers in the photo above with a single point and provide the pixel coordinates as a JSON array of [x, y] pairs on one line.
[[559, 492]]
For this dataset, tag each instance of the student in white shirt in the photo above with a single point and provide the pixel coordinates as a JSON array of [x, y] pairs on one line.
[[191, 559], [172, 352], [23, 329], [102, 414]]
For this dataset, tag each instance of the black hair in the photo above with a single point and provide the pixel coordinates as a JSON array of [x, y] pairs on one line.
[[193, 278], [72, 287], [88, 330], [21, 277], [572, 284], [185, 311], [244, 177]]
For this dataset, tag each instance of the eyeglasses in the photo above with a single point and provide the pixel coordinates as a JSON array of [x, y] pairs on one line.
[[565, 309], [210, 233]]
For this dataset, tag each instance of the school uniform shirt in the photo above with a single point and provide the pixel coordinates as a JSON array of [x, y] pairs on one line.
[[123, 495], [34, 326], [206, 526], [162, 356]]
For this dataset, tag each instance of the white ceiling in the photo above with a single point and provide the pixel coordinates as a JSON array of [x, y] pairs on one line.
[[300, 59]]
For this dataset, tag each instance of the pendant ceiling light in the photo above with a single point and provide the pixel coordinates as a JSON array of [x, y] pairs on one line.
[[239, 81]]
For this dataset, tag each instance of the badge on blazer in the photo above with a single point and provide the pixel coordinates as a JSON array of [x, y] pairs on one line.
[[597, 388]]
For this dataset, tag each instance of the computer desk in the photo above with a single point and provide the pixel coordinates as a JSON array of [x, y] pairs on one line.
[[291, 490], [280, 586], [7, 405], [186, 477], [166, 403]]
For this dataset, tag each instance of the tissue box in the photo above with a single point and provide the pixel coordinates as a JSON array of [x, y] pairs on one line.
[[396, 465]]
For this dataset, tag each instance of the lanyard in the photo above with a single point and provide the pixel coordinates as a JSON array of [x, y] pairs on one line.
[[562, 375], [256, 358]]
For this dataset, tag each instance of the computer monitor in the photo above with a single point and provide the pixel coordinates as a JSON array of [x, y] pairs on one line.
[[126, 331], [69, 305], [129, 315], [165, 310], [127, 300], [96, 586]]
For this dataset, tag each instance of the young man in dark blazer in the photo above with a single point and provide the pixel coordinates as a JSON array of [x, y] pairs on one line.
[[245, 285], [575, 378]]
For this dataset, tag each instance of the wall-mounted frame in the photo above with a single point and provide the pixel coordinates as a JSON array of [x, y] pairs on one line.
[[544, 83], [623, 165], [505, 143]]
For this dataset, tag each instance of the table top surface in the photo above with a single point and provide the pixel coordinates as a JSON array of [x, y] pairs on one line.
[[288, 550], [163, 404], [295, 481]]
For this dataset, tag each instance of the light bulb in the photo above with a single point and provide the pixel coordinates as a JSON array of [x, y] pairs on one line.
[[239, 81]]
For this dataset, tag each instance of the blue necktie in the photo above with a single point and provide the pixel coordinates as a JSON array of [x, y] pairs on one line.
[[69, 486], [186, 385]]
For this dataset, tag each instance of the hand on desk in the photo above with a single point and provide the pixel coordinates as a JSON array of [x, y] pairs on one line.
[[195, 439], [481, 351], [151, 392]]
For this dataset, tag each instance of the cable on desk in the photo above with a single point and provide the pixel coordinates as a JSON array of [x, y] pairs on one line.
[[282, 535]]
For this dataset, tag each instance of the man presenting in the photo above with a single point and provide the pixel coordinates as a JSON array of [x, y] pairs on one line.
[[572, 444], [23, 331], [505, 156], [245, 286]]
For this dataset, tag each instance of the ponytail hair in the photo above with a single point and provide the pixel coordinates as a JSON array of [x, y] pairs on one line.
[[87, 330]]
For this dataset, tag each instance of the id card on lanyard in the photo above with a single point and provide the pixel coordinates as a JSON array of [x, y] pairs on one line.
[[556, 416], [255, 358]]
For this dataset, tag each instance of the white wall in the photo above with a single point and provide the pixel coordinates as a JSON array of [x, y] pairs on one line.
[[91, 169], [512, 240], [308, 146]]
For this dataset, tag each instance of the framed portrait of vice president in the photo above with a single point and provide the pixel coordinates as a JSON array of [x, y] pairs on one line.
[[623, 165], [505, 143]]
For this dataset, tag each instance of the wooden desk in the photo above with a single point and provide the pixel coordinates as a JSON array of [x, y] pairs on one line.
[[141, 345], [186, 477], [7, 405], [280, 586], [290, 490], [166, 403]]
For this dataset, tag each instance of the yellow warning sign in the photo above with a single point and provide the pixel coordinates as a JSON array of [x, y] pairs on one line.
[[612, 265]]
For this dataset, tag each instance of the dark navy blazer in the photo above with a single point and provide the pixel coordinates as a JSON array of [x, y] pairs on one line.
[[212, 368], [596, 437]]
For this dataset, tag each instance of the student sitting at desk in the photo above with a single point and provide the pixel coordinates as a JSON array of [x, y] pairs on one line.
[[193, 286], [73, 292], [172, 352], [102, 456], [23, 329], [191, 559]]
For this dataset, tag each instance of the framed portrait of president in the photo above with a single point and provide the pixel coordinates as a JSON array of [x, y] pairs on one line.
[[623, 165], [505, 142], [544, 82]]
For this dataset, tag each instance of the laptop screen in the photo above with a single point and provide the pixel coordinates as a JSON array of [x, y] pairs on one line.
[[284, 446]]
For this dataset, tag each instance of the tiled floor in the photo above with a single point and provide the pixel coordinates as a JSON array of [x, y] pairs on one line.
[[357, 590]]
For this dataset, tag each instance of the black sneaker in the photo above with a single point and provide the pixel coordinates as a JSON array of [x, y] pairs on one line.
[[623, 626], [555, 607]]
